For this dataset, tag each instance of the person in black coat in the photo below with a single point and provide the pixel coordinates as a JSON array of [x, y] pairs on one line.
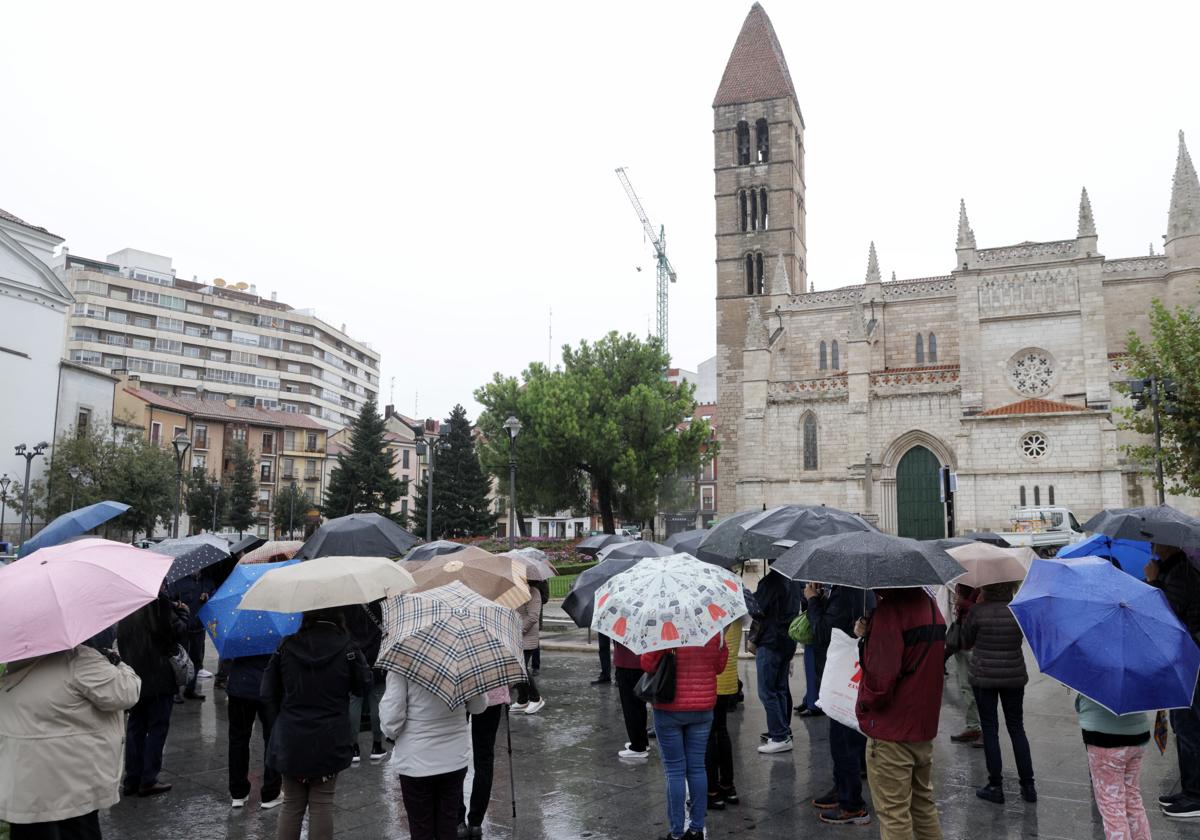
[[193, 592], [147, 639], [308, 682], [364, 623], [777, 602], [244, 691]]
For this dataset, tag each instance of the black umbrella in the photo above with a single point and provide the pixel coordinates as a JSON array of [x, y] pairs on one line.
[[1162, 524], [192, 554], [246, 544], [591, 546], [357, 535], [636, 550], [581, 600], [951, 542], [722, 545], [798, 523], [430, 550], [869, 560], [686, 541], [988, 537]]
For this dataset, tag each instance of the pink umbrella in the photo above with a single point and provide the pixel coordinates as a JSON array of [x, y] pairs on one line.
[[65, 594]]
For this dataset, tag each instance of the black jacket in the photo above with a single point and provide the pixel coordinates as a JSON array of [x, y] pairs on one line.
[[190, 590], [1180, 582], [991, 631], [778, 602], [246, 676], [147, 639], [309, 681], [364, 624], [838, 608]]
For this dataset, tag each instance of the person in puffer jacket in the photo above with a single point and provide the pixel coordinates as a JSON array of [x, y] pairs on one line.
[[998, 677], [682, 727]]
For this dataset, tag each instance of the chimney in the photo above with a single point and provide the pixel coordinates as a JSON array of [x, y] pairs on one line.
[[274, 297], [343, 328], [388, 411]]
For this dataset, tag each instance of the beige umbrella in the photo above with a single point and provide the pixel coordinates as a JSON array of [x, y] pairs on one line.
[[537, 564], [273, 550], [467, 552], [499, 579], [986, 563], [326, 582]]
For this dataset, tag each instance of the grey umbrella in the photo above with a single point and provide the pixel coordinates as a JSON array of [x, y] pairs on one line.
[[357, 535], [686, 541], [869, 560], [591, 545], [192, 554], [430, 550], [1161, 524], [723, 544], [798, 523], [988, 537], [635, 550]]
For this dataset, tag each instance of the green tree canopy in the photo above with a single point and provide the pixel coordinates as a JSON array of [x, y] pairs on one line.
[[199, 499], [460, 487], [289, 509], [362, 481], [243, 488], [143, 478]]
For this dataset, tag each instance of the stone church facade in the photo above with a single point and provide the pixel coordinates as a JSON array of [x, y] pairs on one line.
[[1000, 372]]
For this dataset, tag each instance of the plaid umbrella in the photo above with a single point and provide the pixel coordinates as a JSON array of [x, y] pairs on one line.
[[430, 550], [869, 560], [499, 579], [1162, 524], [192, 554], [452, 642]]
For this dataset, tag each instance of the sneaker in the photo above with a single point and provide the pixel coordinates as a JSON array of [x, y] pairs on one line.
[[967, 736], [518, 707], [992, 793], [461, 832], [811, 713], [629, 746], [628, 753], [155, 789], [731, 796], [763, 737], [800, 708], [826, 802], [837, 816], [716, 802], [378, 753], [601, 680], [268, 804], [692, 834], [1183, 808], [772, 746], [239, 802], [535, 707], [1169, 798], [357, 757], [475, 832], [1028, 792]]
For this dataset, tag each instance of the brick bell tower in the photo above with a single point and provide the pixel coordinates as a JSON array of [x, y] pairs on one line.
[[758, 135]]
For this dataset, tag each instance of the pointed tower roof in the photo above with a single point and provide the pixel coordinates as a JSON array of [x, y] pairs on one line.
[[1087, 225], [873, 275], [966, 236], [1184, 217], [780, 283], [757, 69]]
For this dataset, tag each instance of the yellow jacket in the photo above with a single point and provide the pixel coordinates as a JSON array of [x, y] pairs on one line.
[[727, 680]]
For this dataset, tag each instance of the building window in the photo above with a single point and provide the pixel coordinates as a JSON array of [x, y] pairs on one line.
[[199, 461], [932, 349], [743, 143], [268, 443], [1037, 494], [289, 468], [762, 209], [289, 441], [742, 213], [754, 274], [834, 361], [1034, 445], [83, 422], [310, 468], [920, 349], [822, 354], [762, 141], [264, 471], [404, 458], [199, 436], [311, 443], [404, 507], [706, 498], [1022, 495], [1050, 495], [156, 433], [239, 435], [753, 209], [810, 441]]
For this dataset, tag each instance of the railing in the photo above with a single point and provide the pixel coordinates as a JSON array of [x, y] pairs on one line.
[[561, 585]]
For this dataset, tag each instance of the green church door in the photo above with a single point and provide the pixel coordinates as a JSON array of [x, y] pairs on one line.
[[920, 512]]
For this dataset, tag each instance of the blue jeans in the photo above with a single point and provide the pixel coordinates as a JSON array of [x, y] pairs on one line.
[[812, 680], [682, 740], [772, 669], [1186, 723], [846, 749]]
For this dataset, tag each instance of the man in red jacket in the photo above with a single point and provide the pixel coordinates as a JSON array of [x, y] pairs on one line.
[[899, 700]]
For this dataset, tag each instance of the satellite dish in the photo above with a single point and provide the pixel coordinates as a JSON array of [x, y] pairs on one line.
[[219, 282], [241, 286]]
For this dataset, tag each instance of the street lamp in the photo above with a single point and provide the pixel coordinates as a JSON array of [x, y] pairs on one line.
[[4, 482], [513, 427], [1161, 396], [216, 494], [28, 454], [180, 444], [292, 510], [74, 472], [430, 447]]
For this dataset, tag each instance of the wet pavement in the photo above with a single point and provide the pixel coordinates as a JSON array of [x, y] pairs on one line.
[[570, 783]]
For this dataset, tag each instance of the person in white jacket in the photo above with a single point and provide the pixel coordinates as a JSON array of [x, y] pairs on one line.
[[432, 751]]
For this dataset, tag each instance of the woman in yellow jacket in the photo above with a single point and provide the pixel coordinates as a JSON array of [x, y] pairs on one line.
[[718, 760]]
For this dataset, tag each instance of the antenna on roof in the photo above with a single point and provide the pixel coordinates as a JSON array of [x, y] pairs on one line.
[[392, 391]]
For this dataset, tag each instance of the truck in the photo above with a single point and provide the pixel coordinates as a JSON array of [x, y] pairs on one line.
[[1044, 529]]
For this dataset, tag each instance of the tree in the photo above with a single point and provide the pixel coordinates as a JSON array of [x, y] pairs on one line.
[[199, 500], [1172, 353], [144, 478], [362, 481], [91, 456], [243, 488], [289, 509], [460, 499]]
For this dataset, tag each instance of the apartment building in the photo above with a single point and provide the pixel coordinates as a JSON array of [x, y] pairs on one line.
[[212, 341]]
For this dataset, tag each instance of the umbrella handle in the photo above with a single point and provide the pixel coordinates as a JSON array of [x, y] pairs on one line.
[[512, 781]]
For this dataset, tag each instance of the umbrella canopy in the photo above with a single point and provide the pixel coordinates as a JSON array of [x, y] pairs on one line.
[[1132, 555], [591, 545], [799, 523], [947, 543], [430, 550], [581, 600], [723, 543], [537, 564], [869, 560], [453, 642], [236, 632], [69, 593], [72, 524], [988, 537], [499, 579], [635, 550], [326, 582], [986, 563], [192, 554], [358, 535], [668, 602], [246, 544], [272, 551], [1160, 524], [686, 541], [1109, 637]]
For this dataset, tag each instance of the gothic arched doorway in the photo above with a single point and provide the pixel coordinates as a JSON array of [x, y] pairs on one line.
[[920, 512]]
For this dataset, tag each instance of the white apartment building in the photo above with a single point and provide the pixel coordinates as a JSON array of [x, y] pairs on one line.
[[214, 341]]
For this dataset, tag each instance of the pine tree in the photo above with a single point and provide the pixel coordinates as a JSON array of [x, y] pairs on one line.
[[243, 489], [460, 488], [363, 482]]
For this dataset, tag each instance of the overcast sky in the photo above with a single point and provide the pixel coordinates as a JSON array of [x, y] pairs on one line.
[[438, 176]]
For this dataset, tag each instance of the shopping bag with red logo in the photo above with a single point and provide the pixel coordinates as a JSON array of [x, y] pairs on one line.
[[839, 682]]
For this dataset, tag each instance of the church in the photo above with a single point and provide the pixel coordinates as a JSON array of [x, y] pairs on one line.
[[931, 405]]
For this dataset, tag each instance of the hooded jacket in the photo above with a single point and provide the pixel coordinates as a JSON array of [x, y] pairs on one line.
[[1180, 582], [777, 602], [364, 623], [992, 632], [696, 670], [148, 638]]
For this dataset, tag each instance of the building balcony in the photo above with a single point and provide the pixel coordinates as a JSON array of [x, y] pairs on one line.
[[312, 478]]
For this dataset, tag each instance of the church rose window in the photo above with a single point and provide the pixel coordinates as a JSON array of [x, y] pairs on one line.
[[1031, 372], [1034, 445]]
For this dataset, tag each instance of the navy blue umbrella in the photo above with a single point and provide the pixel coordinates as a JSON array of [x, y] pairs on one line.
[[73, 524], [192, 554]]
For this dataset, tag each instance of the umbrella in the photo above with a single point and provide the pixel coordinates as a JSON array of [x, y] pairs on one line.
[[1109, 637], [636, 550], [69, 593], [238, 632], [947, 543], [1161, 524], [988, 537], [686, 541], [246, 544], [326, 582], [192, 554], [794, 522], [1132, 555], [466, 552], [591, 545], [452, 642], [869, 560], [986, 563], [72, 524], [358, 535], [271, 551], [537, 564], [499, 579], [430, 550], [668, 602], [722, 545]]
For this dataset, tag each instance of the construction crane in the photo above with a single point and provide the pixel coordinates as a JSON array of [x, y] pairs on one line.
[[665, 272]]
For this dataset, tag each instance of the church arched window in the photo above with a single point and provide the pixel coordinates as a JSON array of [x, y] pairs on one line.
[[762, 139], [742, 210], [749, 274], [758, 273], [920, 349], [754, 274], [810, 441], [762, 209], [1037, 494], [834, 361], [824, 363], [1022, 495], [753, 209], [743, 143], [932, 349]]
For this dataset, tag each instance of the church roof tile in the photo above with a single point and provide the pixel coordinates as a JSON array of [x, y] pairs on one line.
[[1032, 406], [757, 69]]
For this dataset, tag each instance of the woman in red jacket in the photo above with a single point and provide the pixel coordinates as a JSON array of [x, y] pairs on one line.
[[682, 727]]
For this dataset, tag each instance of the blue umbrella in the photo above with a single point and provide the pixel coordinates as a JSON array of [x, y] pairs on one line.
[[1131, 554], [73, 524], [237, 632], [1108, 636]]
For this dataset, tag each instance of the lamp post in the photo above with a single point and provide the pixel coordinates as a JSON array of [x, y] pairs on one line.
[[216, 494], [1160, 391], [513, 427], [28, 454], [180, 444], [74, 472], [4, 482], [430, 447], [292, 511]]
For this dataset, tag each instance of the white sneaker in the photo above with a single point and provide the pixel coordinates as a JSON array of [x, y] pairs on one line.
[[377, 757], [518, 707], [773, 746], [274, 803], [535, 707], [628, 753], [240, 803], [648, 745]]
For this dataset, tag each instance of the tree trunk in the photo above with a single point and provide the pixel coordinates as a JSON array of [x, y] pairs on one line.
[[604, 496]]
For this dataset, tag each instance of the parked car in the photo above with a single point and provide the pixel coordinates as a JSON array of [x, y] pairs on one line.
[[1044, 529]]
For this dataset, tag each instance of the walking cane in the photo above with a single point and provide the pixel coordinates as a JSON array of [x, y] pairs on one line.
[[512, 782]]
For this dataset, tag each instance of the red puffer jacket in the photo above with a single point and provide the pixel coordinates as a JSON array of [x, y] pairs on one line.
[[696, 670], [623, 657]]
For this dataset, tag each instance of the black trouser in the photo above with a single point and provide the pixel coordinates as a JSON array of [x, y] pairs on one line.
[[145, 736], [1012, 700], [604, 649], [242, 713], [483, 749], [846, 748], [527, 692], [85, 827], [633, 709], [433, 804], [718, 758], [195, 652]]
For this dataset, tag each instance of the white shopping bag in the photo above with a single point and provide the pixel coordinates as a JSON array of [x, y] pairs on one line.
[[839, 682]]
